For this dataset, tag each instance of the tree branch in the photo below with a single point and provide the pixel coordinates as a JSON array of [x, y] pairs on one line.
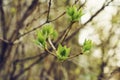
[[19, 25], [47, 20], [117, 70], [92, 17]]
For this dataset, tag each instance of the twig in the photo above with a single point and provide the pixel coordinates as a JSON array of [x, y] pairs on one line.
[[51, 44], [58, 17], [31, 30], [29, 67], [76, 1], [48, 11], [67, 31], [50, 52], [74, 55], [82, 5], [6, 41], [34, 19], [19, 25], [117, 70]]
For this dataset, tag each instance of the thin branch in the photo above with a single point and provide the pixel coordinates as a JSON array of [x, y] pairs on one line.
[[117, 70], [35, 19], [50, 52], [2, 20], [74, 55], [67, 31], [48, 11], [19, 24], [82, 5], [29, 67], [6, 41], [51, 44], [31, 30], [58, 17], [76, 1]]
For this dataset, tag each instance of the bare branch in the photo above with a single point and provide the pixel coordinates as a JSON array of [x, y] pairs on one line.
[[47, 20], [117, 70]]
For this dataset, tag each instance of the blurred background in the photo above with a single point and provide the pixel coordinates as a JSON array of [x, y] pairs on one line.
[[22, 59]]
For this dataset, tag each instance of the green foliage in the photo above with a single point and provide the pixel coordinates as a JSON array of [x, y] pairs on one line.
[[41, 39], [62, 52], [49, 31], [87, 45], [73, 13], [46, 32]]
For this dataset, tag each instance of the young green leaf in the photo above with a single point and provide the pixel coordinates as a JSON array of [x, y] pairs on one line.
[[54, 34], [74, 14], [41, 40], [62, 52], [46, 32], [87, 45], [49, 31]]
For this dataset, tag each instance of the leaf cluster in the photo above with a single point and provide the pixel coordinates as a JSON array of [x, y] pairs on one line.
[[44, 33], [87, 45], [73, 13], [62, 52]]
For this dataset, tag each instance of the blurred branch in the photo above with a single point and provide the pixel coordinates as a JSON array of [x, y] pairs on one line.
[[35, 19], [58, 17], [14, 35], [4, 34], [66, 32], [30, 66], [82, 5], [6, 41], [117, 70], [19, 25], [30, 31], [75, 55], [47, 20], [76, 1], [2, 20]]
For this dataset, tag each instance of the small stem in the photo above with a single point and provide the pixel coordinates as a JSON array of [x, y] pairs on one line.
[[48, 11], [67, 32], [50, 52], [51, 44], [75, 55], [58, 17], [6, 41]]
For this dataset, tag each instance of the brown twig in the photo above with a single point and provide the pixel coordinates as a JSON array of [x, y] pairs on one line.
[[58, 17], [74, 56], [51, 44], [19, 25], [47, 20], [117, 70], [66, 32]]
